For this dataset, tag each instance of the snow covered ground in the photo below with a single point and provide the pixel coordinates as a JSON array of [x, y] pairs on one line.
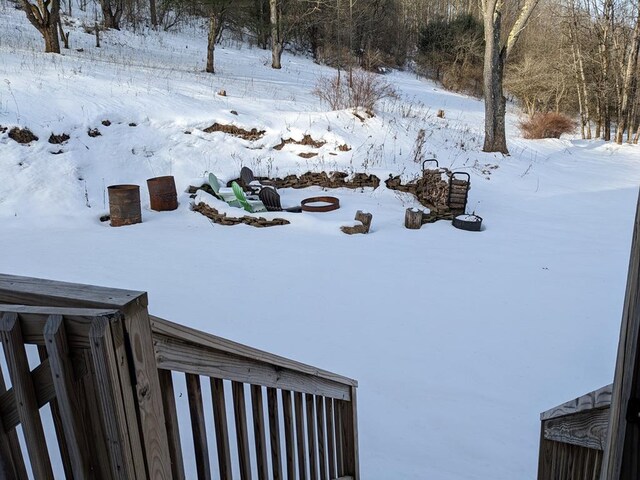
[[459, 340]]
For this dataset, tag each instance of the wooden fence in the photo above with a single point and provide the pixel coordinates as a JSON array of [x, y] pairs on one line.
[[107, 370], [573, 437]]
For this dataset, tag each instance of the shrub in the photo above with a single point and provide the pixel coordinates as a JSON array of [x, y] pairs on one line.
[[365, 91], [547, 125]]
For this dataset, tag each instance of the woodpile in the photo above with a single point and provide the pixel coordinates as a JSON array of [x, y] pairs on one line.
[[458, 194], [222, 219], [322, 179], [438, 190]]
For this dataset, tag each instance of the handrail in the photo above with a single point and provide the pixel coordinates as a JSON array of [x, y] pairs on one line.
[[168, 329], [600, 398]]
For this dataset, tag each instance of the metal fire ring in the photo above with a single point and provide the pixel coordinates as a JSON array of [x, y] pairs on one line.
[[331, 203]]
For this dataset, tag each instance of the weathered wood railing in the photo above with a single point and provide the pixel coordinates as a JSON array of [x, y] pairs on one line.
[[573, 437], [107, 369], [318, 414]]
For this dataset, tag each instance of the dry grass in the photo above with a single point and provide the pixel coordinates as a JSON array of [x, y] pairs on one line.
[[365, 91], [547, 125]]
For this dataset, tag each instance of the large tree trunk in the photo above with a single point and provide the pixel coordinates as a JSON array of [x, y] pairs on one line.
[[45, 16], [153, 13], [277, 42], [110, 15], [211, 43], [495, 139], [629, 83]]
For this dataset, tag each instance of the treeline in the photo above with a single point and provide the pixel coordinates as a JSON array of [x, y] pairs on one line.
[[577, 57]]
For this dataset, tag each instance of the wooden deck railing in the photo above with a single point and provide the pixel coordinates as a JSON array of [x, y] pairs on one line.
[[573, 437], [107, 370]]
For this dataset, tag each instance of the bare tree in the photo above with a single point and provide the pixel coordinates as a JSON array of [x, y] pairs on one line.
[[630, 83], [217, 11], [45, 16], [112, 13], [497, 52]]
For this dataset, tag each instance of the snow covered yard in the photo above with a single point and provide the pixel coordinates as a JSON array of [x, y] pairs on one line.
[[458, 339]]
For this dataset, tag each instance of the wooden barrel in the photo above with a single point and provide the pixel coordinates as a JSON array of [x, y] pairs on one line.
[[162, 192], [124, 205]]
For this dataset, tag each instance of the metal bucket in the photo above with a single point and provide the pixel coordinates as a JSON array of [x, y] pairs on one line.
[[162, 191], [124, 205]]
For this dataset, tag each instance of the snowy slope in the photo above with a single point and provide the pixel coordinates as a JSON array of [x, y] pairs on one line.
[[458, 340]]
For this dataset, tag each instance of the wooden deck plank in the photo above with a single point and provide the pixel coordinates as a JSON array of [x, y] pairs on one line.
[[331, 439], [600, 398], [11, 459]]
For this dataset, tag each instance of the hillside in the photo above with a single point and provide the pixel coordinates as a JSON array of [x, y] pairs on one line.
[[458, 340]]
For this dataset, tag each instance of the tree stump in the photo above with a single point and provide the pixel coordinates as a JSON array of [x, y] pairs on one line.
[[413, 218], [364, 218]]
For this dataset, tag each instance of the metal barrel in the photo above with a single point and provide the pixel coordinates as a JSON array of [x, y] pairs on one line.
[[124, 205], [162, 192]]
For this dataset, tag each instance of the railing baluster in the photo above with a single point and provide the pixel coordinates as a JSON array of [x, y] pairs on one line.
[[339, 428], [11, 460], [198, 427], [25, 396], [322, 458], [274, 433], [331, 442], [302, 461], [66, 405], [171, 419], [222, 429], [259, 432], [57, 421], [311, 436], [288, 434], [242, 436]]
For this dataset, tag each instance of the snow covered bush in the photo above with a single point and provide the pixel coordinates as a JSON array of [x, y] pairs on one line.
[[547, 125], [365, 91]]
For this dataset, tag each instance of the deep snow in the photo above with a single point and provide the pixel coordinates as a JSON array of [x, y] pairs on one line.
[[458, 339]]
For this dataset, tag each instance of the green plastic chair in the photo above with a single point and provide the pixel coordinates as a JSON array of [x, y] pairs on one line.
[[251, 206], [224, 194]]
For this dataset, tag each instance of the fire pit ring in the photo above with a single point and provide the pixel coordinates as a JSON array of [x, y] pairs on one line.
[[469, 222], [327, 204]]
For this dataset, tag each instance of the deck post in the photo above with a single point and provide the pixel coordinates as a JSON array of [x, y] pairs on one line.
[[620, 461]]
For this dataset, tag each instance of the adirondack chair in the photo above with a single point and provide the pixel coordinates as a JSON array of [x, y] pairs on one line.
[[224, 194], [271, 199], [251, 206]]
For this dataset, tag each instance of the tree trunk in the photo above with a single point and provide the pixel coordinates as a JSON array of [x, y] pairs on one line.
[[494, 101], [153, 13], [45, 18], [211, 43], [111, 17], [629, 83], [277, 42]]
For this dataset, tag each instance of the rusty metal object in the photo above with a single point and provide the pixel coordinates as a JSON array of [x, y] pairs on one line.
[[330, 203], [124, 205], [162, 192]]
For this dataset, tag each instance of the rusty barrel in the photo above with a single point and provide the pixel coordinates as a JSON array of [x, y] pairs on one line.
[[162, 191], [124, 205]]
